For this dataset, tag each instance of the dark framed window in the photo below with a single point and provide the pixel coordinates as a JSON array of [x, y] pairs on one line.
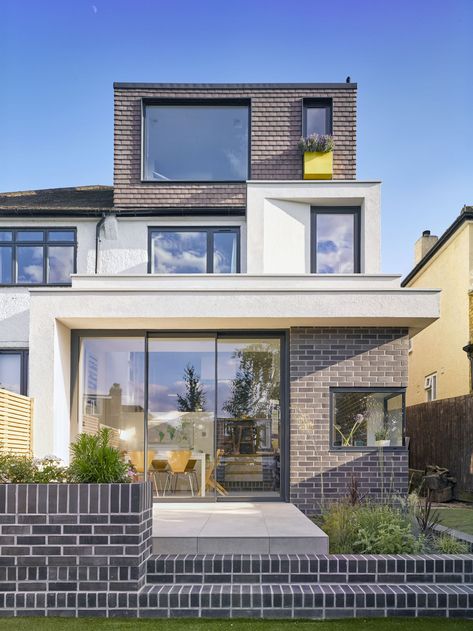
[[196, 141], [37, 256], [335, 240], [316, 116], [367, 417], [14, 370], [194, 250]]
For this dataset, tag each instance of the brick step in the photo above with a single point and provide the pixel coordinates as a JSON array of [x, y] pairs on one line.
[[317, 569], [256, 601], [306, 601]]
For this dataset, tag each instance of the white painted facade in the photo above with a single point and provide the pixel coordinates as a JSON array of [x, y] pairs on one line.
[[275, 289]]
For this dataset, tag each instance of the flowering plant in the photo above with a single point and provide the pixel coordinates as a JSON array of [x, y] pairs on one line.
[[347, 439], [316, 143]]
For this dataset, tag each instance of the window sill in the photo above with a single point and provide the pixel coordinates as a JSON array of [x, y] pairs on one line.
[[374, 448]]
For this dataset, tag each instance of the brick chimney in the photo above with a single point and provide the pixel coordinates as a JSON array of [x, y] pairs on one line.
[[423, 245]]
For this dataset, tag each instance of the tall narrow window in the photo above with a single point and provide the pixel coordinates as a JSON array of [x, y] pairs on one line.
[[317, 117], [335, 240], [201, 142], [36, 256], [194, 250], [431, 387]]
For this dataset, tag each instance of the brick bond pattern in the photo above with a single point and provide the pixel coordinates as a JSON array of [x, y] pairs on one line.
[[276, 126], [321, 358], [70, 537]]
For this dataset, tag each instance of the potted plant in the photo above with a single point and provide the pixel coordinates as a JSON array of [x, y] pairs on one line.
[[317, 150], [381, 437]]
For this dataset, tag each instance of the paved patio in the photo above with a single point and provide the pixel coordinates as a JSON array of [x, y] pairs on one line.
[[235, 528]]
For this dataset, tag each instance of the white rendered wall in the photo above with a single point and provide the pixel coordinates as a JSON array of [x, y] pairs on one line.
[[278, 223]]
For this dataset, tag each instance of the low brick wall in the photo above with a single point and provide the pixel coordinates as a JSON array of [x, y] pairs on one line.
[[74, 537]]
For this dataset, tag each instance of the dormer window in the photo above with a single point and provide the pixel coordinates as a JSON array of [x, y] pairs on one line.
[[317, 117], [188, 141]]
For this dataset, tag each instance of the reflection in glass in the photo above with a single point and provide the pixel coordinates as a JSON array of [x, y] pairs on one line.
[[368, 419], [30, 264], [196, 143], [182, 252], [60, 264], [225, 252], [112, 393], [10, 372], [61, 235], [318, 120], [335, 243], [6, 235], [181, 395], [248, 416], [6, 265], [30, 235]]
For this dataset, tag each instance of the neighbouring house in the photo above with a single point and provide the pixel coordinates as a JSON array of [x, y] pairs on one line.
[[439, 393], [221, 307], [439, 366]]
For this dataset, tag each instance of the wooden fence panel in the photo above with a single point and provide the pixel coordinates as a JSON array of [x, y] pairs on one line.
[[16, 422], [441, 433]]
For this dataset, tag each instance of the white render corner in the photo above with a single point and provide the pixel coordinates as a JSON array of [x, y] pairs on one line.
[[279, 222]]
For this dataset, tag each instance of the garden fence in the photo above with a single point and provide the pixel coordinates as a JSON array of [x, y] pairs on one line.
[[16, 422], [441, 433]]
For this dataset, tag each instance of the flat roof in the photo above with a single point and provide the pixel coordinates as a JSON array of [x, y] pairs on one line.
[[236, 86]]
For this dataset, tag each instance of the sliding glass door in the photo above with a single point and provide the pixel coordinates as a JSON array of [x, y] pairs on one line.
[[181, 415], [206, 409]]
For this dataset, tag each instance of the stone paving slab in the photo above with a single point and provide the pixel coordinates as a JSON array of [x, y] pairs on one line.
[[233, 528]]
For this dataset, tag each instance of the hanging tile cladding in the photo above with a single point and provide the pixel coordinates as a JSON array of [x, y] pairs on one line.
[[276, 126]]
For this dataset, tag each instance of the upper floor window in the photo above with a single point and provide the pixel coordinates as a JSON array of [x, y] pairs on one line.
[[196, 142], [317, 117], [430, 387], [194, 250], [34, 256], [335, 242], [13, 370]]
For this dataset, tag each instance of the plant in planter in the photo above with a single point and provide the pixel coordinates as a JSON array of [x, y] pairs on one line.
[[381, 437], [317, 150], [95, 461]]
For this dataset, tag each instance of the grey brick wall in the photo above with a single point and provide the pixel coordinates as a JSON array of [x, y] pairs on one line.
[[276, 126], [321, 358], [71, 537]]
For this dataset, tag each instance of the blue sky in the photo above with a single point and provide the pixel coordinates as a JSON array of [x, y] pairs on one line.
[[412, 59]]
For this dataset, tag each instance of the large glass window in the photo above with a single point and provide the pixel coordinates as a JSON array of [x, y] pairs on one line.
[[335, 240], [195, 250], [363, 417], [13, 370], [196, 142], [111, 392], [37, 257], [317, 117]]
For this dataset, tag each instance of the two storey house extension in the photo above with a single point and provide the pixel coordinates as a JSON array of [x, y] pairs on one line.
[[224, 316]]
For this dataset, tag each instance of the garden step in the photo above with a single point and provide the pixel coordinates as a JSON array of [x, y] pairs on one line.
[[303, 568], [306, 600]]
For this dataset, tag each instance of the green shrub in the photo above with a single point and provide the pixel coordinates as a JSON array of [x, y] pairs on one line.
[[383, 529], [338, 522], [24, 469], [94, 460], [446, 544], [370, 529]]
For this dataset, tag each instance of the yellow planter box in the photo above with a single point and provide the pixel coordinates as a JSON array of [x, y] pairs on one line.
[[318, 165]]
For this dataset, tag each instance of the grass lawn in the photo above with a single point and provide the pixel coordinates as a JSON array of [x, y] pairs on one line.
[[457, 518], [375, 624]]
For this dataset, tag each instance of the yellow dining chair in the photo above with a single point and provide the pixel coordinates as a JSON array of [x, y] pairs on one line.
[[177, 461], [137, 459]]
